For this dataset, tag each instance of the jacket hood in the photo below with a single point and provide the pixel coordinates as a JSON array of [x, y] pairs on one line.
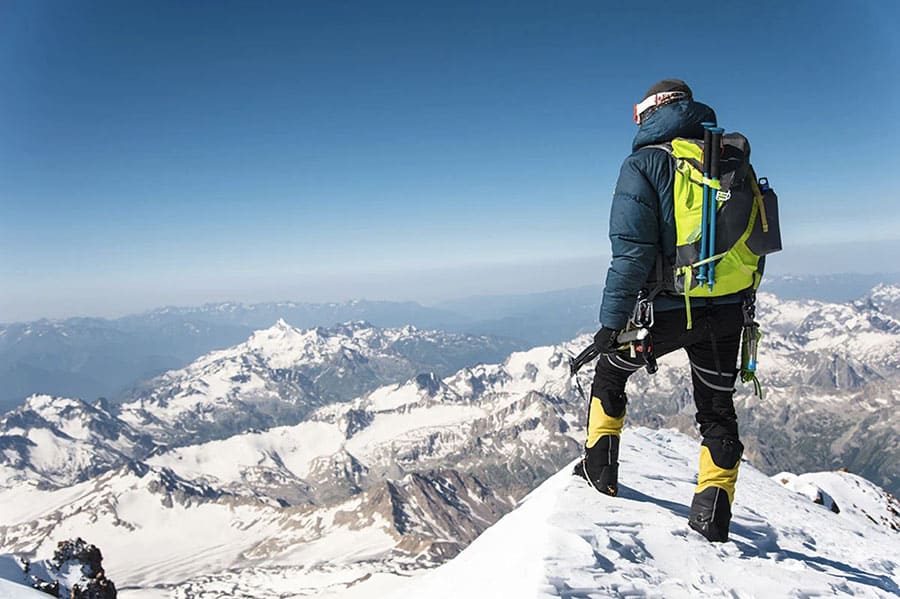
[[678, 119]]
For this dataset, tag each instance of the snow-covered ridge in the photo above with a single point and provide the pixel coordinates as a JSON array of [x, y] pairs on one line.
[[425, 423], [886, 299], [567, 540], [282, 346], [56, 441], [280, 374], [250, 387], [883, 293], [853, 496]]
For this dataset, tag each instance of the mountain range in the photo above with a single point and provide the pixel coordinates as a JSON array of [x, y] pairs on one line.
[[95, 357], [289, 465]]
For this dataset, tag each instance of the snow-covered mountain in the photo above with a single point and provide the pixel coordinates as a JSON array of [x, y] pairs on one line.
[[160, 531], [282, 373], [563, 540], [406, 474], [96, 357], [276, 377], [509, 424], [56, 442], [885, 298], [567, 540], [830, 372]]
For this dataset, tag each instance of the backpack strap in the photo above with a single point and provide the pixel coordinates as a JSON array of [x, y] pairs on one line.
[[649, 294], [758, 197]]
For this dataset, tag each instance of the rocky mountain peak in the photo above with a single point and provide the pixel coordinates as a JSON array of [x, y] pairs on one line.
[[886, 298], [884, 291], [274, 336], [429, 383], [72, 416]]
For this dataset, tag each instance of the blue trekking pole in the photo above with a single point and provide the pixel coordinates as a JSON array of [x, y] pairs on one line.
[[715, 152], [704, 219]]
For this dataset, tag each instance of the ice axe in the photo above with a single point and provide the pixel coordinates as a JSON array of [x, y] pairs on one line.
[[638, 340]]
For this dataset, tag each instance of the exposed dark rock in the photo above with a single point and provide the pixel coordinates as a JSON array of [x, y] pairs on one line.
[[51, 588], [428, 382], [79, 550], [355, 420], [74, 559]]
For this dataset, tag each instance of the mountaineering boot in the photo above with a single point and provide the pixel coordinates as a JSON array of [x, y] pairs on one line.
[[600, 465], [711, 514], [711, 507]]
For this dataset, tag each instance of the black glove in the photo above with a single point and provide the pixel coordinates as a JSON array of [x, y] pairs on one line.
[[605, 340]]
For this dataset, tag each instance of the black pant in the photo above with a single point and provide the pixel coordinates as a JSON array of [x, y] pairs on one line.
[[712, 346]]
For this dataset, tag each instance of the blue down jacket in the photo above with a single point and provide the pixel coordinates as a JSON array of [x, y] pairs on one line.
[[642, 218]]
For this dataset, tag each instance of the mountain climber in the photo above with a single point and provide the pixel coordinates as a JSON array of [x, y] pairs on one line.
[[642, 230]]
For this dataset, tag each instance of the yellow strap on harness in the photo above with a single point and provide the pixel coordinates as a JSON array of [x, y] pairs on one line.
[[710, 259], [688, 272], [696, 176], [758, 197]]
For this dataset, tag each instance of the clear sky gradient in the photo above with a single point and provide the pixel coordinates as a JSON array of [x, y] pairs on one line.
[[179, 152]]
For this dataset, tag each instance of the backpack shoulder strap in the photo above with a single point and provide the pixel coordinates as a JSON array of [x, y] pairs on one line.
[[667, 147]]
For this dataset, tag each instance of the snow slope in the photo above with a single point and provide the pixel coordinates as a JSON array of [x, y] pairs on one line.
[[14, 583], [853, 496], [567, 540], [495, 417], [58, 441], [12, 590]]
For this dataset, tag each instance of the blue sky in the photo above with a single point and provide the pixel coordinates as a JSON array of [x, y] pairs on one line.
[[180, 152]]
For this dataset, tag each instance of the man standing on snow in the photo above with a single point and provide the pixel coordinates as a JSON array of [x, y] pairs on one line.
[[642, 230]]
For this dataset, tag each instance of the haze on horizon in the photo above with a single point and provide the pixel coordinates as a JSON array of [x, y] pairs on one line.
[[174, 153]]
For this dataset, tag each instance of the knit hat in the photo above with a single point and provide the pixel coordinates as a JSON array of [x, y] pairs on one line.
[[661, 93], [669, 85]]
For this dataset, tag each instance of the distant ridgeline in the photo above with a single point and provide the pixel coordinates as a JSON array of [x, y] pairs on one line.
[[91, 357]]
